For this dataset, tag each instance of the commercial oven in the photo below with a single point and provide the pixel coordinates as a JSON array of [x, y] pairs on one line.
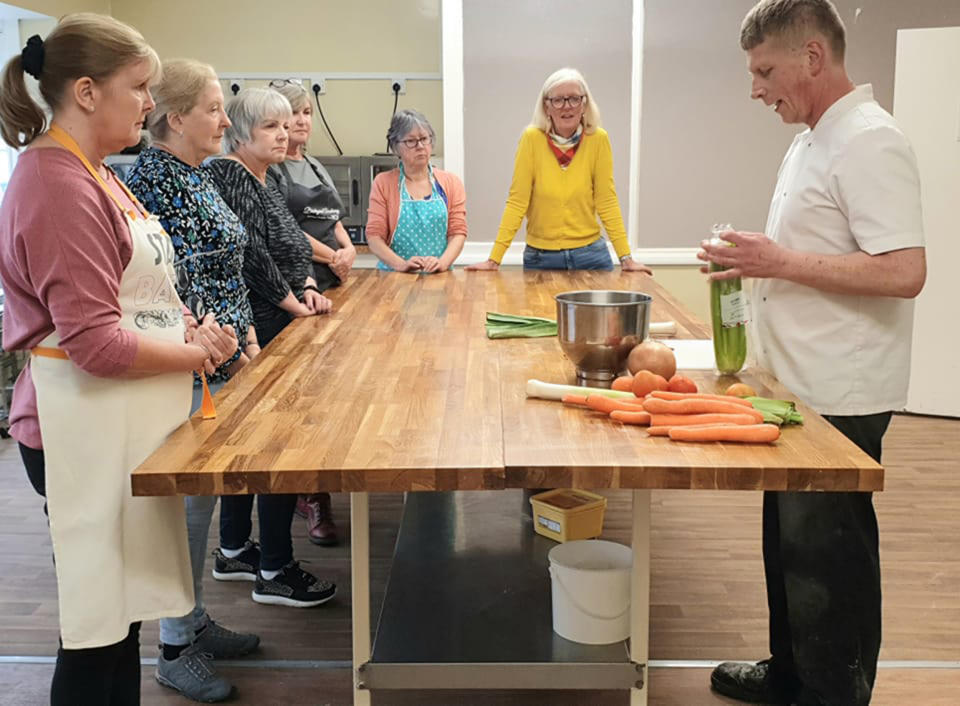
[[353, 177]]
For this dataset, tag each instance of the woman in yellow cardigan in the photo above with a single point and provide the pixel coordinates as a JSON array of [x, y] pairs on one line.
[[562, 180]]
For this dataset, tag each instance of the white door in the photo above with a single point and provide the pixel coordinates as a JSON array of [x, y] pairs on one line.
[[926, 102]]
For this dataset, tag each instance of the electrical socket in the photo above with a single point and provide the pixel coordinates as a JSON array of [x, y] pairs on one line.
[[402, 82], [317, 81], [234, 86]]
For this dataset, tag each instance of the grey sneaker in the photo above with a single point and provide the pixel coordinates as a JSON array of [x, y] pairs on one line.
[[221, 643], [242, 567], [193, 676]]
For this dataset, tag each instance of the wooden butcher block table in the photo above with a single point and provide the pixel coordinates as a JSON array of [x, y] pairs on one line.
[[400, 390]]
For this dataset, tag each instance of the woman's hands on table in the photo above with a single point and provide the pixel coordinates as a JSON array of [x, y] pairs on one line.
[[485, 265]]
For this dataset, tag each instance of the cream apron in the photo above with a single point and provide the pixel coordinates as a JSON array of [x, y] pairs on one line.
[[119, 559]]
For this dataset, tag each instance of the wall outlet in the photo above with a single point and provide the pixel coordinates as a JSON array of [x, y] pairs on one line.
[[317, 81], [402, 82], [234, 86]]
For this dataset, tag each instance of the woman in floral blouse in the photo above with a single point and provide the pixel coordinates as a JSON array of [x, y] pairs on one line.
[[209, 242]]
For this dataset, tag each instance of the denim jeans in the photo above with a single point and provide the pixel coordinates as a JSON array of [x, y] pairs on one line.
[[594, 256], [181, 631], [822, 565]]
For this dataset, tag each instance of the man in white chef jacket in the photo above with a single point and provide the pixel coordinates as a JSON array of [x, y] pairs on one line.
[[836, 270]]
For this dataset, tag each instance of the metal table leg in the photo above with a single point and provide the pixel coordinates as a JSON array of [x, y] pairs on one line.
[[640, 594], [360, 589]]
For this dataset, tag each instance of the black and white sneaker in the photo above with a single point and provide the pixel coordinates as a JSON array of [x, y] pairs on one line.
[[242, 567], [293, 587]]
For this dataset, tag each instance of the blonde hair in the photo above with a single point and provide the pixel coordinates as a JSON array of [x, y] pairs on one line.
[[591, 111], [182, 81], [82, 44], [293, 92]]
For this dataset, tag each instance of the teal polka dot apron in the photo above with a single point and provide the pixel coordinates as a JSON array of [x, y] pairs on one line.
[[421, 225]]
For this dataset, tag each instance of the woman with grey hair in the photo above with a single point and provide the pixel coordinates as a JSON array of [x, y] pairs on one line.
[[310, 193], [417, 218], [563, 180], [278, 272]]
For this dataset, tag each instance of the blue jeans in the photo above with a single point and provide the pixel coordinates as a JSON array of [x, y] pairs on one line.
[[181, 631], [594, 256]]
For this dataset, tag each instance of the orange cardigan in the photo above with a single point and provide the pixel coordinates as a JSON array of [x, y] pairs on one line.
[[384, 209]]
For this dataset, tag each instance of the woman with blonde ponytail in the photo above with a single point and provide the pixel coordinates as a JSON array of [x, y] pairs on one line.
[[87, 274]]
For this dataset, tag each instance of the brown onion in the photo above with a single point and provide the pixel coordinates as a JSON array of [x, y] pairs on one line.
[[653, 356]]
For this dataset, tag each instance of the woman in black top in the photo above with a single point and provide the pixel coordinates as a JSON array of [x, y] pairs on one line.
[[277, 261], [278, 273], [310, 193]]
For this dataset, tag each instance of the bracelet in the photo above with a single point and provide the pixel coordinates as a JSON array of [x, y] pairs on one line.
[[311, 288], [628, 256]]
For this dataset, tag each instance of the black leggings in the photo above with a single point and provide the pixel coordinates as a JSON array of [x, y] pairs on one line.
[[96, 676]]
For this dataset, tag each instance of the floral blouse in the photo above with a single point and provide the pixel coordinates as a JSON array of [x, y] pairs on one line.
[[208, 239]]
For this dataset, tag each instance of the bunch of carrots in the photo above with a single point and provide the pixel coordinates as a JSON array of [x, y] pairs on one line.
[[686, 416]]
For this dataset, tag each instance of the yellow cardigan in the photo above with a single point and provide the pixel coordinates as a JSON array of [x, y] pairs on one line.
[[562, 206]]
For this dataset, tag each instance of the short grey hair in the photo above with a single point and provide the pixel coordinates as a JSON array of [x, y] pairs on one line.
[[794, 21], [249, 108], [403, 123], [293, 92]]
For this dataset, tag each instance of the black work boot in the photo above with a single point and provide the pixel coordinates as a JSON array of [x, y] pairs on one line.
[[756, 683]]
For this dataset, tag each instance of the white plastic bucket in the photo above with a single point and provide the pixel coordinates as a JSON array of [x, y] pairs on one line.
[[590, 588]]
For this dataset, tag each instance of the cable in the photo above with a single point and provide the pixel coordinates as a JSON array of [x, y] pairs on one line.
[[396, 99], [316, 95]]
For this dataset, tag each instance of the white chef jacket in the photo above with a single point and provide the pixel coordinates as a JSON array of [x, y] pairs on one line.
[[851, 183]]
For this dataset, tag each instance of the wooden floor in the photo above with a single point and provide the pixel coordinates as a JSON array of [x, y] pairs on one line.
[[707, 592]]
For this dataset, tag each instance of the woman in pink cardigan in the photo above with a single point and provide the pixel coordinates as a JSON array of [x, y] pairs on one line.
[[417, 219]]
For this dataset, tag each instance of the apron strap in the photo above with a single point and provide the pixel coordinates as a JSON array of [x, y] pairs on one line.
[[49, 352], [207, 409], [63, 138]]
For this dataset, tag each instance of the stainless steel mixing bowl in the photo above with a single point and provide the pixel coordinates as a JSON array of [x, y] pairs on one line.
[[597, 330]]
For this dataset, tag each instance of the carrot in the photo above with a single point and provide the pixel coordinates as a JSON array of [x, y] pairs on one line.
[[664, 395], [578, 400], [655, 405], [623, 383], [641, 418], [607, 405], [670, 420], [659, 431], [753, 433]]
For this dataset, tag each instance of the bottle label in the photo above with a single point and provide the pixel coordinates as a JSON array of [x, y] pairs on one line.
[[733, 309]]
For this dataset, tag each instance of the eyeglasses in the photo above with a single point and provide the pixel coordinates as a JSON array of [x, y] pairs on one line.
[[412, 143], [560, 101], [281, 82]]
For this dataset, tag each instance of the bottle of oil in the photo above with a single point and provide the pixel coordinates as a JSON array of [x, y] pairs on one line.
[[728, 311]]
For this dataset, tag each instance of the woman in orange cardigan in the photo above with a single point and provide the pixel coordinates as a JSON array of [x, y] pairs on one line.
[[417, 219]]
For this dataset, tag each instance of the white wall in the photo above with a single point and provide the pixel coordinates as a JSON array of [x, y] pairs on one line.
[[927, 104], [509, 48]]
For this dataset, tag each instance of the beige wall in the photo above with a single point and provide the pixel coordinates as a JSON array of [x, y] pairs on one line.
[[313, 37], [708, 153], [689, 286], [58, 8]]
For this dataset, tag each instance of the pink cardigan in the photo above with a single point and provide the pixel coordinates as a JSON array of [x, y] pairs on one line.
[[385, 204]]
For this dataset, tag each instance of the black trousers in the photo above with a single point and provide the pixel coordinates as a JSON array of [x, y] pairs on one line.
[[275, 513], [96, 676], [822, 565]]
